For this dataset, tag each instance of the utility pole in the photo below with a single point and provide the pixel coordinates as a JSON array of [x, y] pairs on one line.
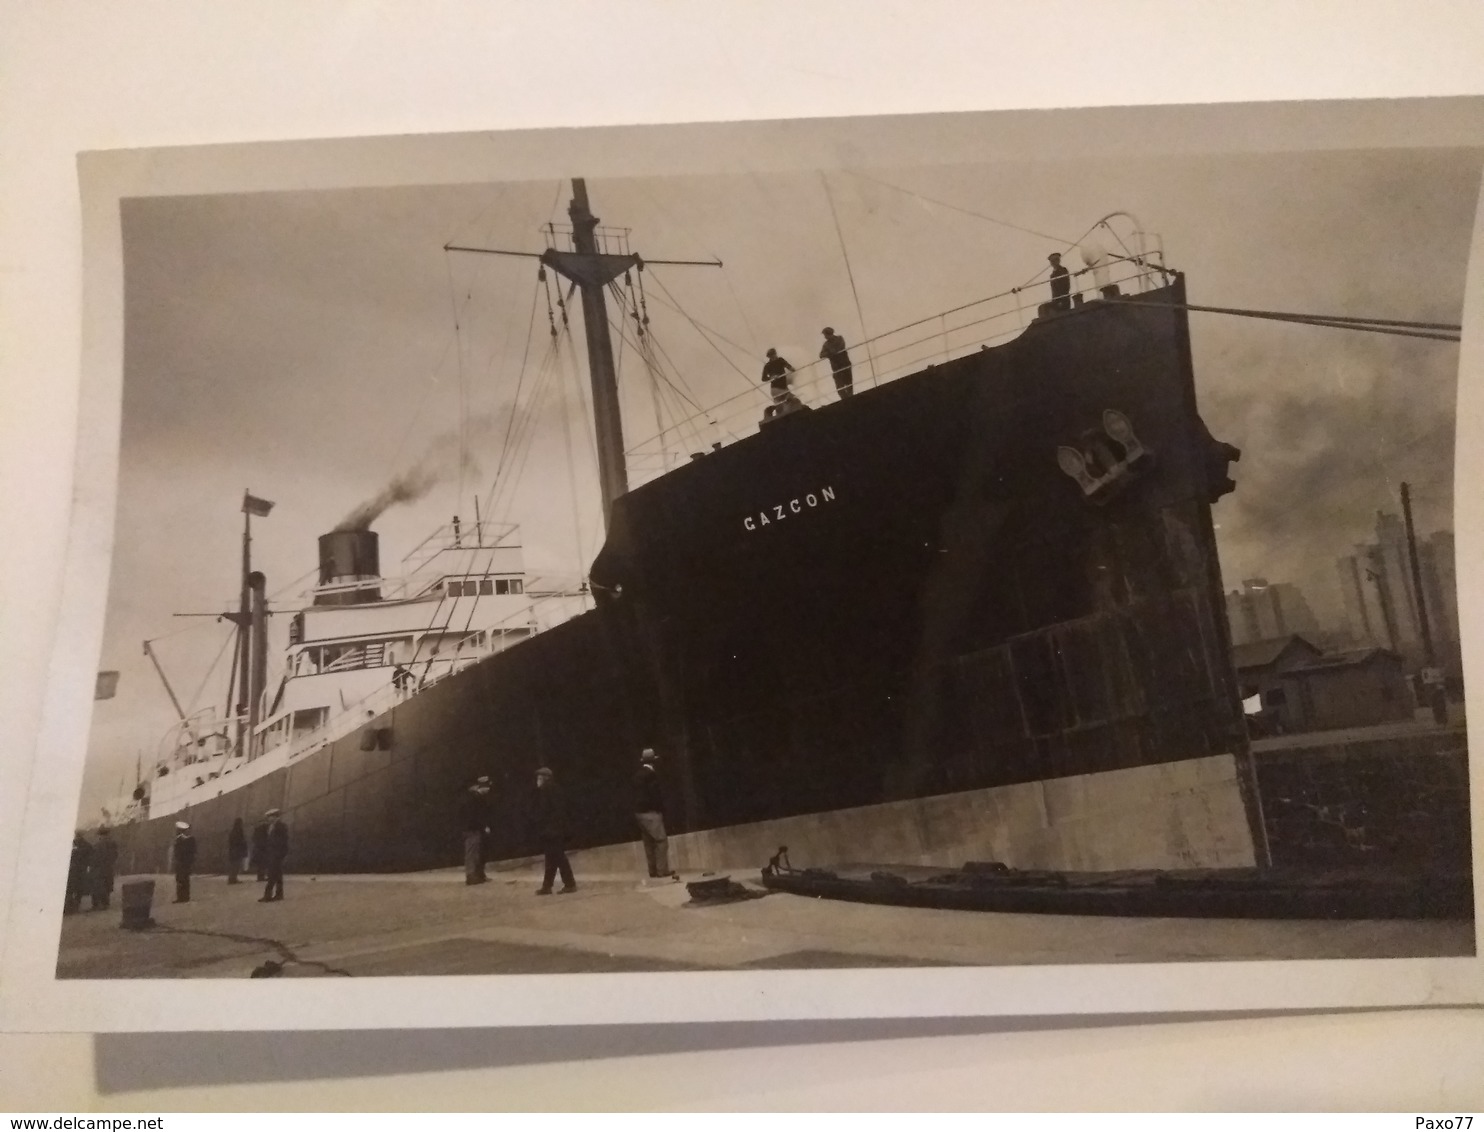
[[1432, 676]]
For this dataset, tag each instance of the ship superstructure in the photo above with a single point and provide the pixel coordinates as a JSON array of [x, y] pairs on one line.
[[359, 643]]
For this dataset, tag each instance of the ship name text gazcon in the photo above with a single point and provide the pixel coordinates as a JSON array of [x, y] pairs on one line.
[[795, 506]]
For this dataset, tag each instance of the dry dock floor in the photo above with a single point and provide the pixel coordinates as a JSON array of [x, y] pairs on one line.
[[433, 924]]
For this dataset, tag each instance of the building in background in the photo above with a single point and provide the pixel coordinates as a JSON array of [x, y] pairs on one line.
[[1381, 602], [1264, 611], [1293, 686]]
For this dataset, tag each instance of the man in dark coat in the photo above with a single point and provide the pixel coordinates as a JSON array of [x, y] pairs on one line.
[[277, 853], [649, 812], [183, 860], [474, 823], [839, 359], [1061, 284], [775, 372], [77, 872], [105, 864], [260, 849], [236, 850], [549, 823]]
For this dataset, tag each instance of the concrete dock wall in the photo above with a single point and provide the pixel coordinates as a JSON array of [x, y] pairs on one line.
[[1172, 815]]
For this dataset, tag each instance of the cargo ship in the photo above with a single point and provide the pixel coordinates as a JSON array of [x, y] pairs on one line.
[[994, 569]]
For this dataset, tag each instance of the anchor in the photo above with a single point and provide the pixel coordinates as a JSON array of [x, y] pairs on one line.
[[1096, 464]]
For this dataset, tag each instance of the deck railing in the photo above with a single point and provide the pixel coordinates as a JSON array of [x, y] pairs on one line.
[[483, 534], [885, 357]]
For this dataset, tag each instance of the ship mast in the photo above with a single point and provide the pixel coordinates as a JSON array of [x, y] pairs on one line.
[[592, 270]]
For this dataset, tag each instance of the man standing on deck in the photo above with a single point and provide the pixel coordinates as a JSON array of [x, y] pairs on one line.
[[183, 860], [278, 851], [1061, 284], [649, 812], [839, 359], [474, 820], [549, 824], [775, 372], [260, 849]]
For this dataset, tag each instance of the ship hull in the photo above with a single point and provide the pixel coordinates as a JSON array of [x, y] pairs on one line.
[[902, 595]]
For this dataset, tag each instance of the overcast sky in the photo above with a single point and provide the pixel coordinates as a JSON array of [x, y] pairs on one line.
[[311, 346]]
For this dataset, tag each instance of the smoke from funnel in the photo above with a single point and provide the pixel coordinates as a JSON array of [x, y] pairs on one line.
[[440, 461], [408, 487]]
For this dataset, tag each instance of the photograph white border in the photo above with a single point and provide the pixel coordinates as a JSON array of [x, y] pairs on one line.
[[30, 998]]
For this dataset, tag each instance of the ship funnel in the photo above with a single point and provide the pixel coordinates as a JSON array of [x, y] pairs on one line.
[[346, 557]]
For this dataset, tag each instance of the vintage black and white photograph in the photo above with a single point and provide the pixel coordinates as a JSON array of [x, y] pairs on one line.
[[958, 565]]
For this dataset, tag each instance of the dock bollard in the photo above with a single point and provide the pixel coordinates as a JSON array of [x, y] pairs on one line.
[[137, 897]]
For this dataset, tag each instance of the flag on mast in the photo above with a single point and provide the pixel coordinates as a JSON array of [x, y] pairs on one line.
[[252, 505]]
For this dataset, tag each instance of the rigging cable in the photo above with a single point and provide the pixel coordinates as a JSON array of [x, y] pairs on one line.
[[545, 282], [422, 402], [519, 384], [959, 208], [707, 333], [521, 444], [684, 395], [227, 712], [1439, 331], [755, 349], [643, 316], [583, 402], [630, 306], [870, 360], [656, 369], [678, 384], [516, 429], [654, 386], [566, 417], [196, 697], [741, 310], [571, 461], [520, 427], [462, 391]]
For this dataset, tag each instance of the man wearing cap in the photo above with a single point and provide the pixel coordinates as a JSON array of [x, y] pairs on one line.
[[549, 824], [649, 812], [839, 359], [474, 818], [183, 859], [775, 372], [278, 851], [1061, 284]]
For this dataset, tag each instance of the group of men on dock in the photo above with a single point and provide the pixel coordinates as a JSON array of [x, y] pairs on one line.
[[551, 831], [266, 853], [91, 872], [93, 867]]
